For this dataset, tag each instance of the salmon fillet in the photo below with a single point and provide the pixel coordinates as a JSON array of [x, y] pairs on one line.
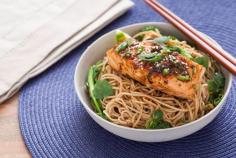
[[143, 73]]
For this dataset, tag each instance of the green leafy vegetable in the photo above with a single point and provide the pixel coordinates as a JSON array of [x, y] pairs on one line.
[[102, 89], [152, 57], [162, 40], [98, 89], [217, 100], [216, 88], [157, 115], [121, 36], [216, 84], [152, 124], [202, 60], [140, 37], [219, 80], [180, 50], [96, 69], [149, 28], [212, 86], [92, 78], [183, 77], [156, 121]]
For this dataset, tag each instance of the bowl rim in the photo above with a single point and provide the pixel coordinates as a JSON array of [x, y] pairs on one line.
[[90, 111]]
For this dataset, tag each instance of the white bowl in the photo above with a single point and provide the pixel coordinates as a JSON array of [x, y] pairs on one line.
[[97, 51]]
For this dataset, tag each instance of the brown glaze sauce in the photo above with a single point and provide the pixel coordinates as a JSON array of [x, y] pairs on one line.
[[172, 61]]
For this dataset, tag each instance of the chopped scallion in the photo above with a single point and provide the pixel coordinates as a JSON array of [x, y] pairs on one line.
[[165, 71], [183, 77]]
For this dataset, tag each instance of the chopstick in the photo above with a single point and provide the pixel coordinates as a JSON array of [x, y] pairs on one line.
[[228, 61], [195, 32]]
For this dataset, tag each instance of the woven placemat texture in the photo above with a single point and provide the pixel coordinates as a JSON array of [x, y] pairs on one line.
[[54, 123]]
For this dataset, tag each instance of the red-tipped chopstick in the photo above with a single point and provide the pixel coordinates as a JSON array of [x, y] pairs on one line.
[[228, 61]]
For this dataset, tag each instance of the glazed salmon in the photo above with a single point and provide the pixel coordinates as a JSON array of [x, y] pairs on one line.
[[174, 74]]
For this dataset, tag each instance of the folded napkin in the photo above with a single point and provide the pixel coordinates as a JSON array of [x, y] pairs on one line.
[[34, 34]]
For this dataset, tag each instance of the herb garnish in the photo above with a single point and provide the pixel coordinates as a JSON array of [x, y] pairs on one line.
[[156, 121]]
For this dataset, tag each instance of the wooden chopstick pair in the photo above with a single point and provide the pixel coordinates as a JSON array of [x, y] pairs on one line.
[[228, 61]]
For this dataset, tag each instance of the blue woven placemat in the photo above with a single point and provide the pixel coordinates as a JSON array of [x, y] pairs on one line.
[[54, 123]]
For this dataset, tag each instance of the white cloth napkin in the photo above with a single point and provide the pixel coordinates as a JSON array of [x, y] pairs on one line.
[[34, 34]]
